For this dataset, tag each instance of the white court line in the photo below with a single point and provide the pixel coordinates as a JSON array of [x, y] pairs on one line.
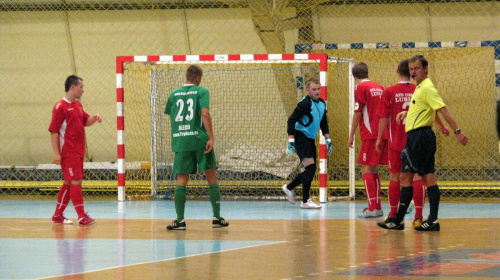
[[184, 257]]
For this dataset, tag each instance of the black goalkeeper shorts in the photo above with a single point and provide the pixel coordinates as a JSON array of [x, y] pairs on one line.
[[305, 146]]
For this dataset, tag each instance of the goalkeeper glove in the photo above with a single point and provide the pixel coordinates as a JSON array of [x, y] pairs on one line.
[[329, 146], [290, 149]]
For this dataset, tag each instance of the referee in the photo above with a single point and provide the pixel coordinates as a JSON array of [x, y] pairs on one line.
[[418, 154]]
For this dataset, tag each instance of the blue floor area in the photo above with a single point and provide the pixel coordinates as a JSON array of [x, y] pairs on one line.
[[229, 210], [83, 255], [75, 255]]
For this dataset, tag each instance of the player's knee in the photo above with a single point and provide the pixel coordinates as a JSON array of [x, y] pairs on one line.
[[309, 172], [307, 161]]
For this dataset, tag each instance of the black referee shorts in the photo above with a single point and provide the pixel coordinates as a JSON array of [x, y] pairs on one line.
[[418, 154], [305, 146]]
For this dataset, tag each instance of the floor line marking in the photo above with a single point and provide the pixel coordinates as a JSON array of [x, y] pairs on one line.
[[184, 257]]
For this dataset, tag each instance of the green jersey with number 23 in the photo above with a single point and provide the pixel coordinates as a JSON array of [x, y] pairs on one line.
[[184, 107]]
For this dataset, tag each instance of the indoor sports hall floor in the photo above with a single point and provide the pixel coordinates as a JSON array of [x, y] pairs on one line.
[[265, 240]]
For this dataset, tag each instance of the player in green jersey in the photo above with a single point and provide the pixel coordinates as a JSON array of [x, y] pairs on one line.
[[193, 142]]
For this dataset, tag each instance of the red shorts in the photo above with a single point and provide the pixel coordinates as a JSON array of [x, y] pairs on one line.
[[72, 168], [368, 154], [394, 161]]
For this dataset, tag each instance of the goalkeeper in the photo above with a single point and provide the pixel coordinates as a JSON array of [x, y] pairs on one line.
[[193, 142], [302, 129]]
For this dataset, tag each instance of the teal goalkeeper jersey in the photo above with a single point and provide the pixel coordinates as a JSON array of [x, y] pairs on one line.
[[184, 107]]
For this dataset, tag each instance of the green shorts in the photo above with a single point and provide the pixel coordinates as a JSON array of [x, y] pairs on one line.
[[187, 162]]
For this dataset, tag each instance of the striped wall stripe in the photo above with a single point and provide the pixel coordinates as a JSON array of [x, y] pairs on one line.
[[299, 48]]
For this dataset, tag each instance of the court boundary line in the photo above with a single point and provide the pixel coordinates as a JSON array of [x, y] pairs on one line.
[[150, 262]]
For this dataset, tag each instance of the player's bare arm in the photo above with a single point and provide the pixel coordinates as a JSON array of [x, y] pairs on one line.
[[454, 126], [401, 116], [355, 122], [207, 122], [56, 154], [382, 125], [92, 120]]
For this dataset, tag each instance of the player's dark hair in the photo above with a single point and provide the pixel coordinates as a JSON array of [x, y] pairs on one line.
[[193, 72], [404, 68], [72, 80], [420, 58], [360, 70], [312, 81]]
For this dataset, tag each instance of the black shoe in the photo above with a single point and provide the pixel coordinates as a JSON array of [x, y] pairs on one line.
[[390, 223], [175, 225], [218, 223], [426, 226]]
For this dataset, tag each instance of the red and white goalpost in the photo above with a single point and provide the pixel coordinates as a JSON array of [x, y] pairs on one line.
[[321, 59]]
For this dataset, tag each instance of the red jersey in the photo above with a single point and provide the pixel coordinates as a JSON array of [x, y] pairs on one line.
[[396, 99], [68, 119], [367, 96]]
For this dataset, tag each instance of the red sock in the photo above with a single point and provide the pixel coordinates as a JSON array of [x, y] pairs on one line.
[[371, 191], [418, 197], [378, 187], [62, 199], [77, 198], [394, 194]]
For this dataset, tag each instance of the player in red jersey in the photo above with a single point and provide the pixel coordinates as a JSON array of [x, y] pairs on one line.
[[396, 99], [367, 97], [67, 135]]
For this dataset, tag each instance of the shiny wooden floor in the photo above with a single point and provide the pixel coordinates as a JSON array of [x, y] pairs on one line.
[[265, 240]]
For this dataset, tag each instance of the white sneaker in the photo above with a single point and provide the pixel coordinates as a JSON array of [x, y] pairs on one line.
[[371, 214], [410, 207], [309, 205], [380, 212], [290, 195]]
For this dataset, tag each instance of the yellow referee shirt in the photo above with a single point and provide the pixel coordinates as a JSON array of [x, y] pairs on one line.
[[423, 105]]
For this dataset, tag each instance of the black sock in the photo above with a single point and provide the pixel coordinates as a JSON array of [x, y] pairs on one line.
[[297, 181], [434, 195], [306, 187], [307, 180], [404, 201]]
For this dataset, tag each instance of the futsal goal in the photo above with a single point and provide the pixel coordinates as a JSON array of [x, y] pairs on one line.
[[251, 98]]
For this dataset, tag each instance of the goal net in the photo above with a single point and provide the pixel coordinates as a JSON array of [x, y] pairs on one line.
[[251, 98], [465, 78]]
